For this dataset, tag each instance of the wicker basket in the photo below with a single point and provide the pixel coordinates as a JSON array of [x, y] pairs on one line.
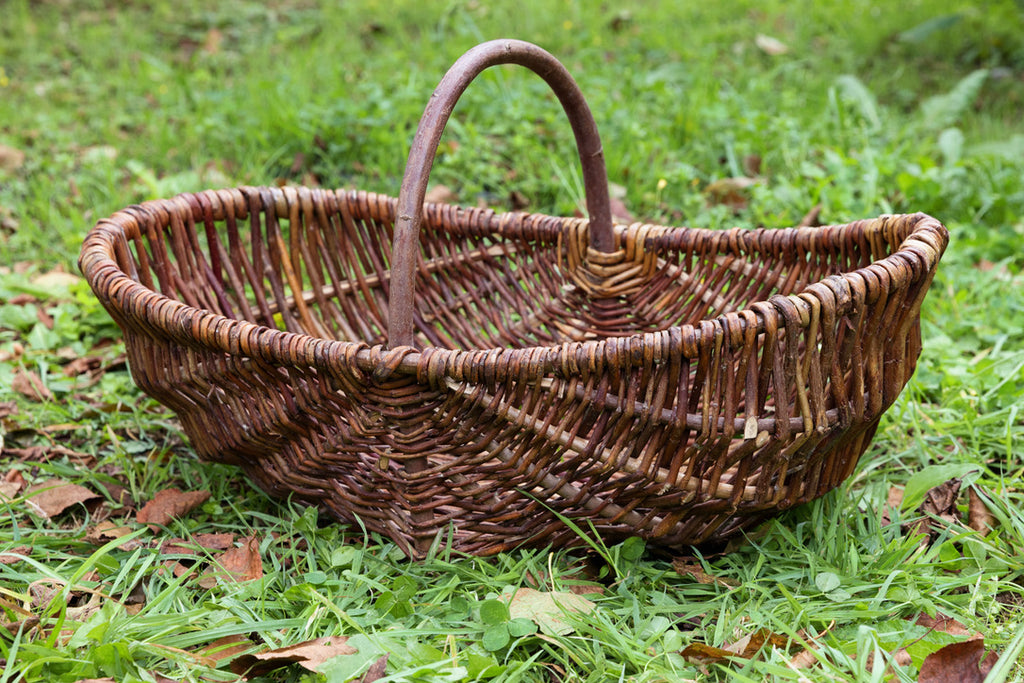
[[673, 383]]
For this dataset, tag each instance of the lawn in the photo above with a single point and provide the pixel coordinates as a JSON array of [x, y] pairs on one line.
[[712, 115]]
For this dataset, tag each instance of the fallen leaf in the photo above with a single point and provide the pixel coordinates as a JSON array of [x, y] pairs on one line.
[[8, 408], [54, 496], [517, 201], [811, 218], [548, 609], [376, 670], [121, 496], [309, 655], [169, 504], [940, 501], [14, 555], [42, 592], [893, 501], [212, 41], [12, 484], [979, 517], [752, 164], [76, 458], [215, 541], [697, 573], [941, 622], [440, 194], [44, 318], [11, 159], [586, 588], [181, 566], [751, 644], [82, 365], [731, 192], [963, 662], [802, 659], [703, 653], [226, 648], [30, 385], [106, 531], [55, 280], [769, 45], [242, 563]]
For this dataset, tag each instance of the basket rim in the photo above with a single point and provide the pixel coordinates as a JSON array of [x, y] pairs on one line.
[[916, 256]]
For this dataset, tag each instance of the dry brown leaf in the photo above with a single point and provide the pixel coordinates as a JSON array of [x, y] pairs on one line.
[[751, 644], [121, 496], [941, 622], [802, 660], [15, 554], [106, 531], [752, 164], [900, 658], [8, 408], [586, 588], [226, 648], [170, 504], [212, 41], [11, 159], [812, 218], [705, 654], [45, 318], [77, 458], [517, 201], [42, 592], [940, 502], [731, 192], [979, 517], [376, 670], [963, 662], [215, 541], [12, 484], [697, 573], [892, 503], [28, 384], [242, 563], [54, 496], [309, 655], [82, 365], [30, 454]]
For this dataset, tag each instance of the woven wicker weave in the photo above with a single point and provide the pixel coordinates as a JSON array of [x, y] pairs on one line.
[[678, 384]]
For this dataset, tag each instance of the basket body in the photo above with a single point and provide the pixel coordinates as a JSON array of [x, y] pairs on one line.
[[681, 388]]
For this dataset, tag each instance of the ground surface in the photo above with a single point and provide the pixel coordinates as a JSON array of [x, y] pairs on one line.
[[742, 114]]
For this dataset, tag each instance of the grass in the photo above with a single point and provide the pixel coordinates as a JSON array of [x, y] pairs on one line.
[[871, 110]]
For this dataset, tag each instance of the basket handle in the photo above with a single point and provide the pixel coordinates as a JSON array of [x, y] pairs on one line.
[[405, 248]]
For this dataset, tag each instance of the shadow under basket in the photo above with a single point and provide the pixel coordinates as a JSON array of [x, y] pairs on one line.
[[461, 377]]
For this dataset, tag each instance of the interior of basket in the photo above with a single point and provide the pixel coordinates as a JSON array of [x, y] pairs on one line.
[[322, 267]]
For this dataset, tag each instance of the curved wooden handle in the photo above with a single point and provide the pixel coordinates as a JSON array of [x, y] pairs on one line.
[[405, 248]]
